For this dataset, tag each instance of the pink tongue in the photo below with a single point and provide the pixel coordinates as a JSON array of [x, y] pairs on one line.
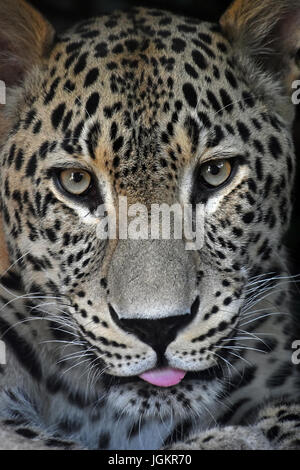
[[163, 377]]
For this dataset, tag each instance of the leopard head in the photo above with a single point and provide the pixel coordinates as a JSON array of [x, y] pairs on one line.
[[148, 108]]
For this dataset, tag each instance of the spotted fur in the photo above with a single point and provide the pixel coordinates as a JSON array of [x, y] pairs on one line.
[[140, 99]]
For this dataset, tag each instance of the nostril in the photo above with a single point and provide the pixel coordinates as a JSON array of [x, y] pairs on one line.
[[156, 333]]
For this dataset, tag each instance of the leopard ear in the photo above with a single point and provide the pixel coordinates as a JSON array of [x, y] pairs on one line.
[[25, 38], [268, 31]]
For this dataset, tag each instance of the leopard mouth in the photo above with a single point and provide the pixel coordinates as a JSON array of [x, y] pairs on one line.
[[203, 376], [207, 375]]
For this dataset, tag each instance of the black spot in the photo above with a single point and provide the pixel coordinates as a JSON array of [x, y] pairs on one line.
[[216, 72], [248, 217], [31, 166], [231, 78], [214, 102], [190, 94], [81, 63], [69, 86], [57, 115], [26, 432], [50, 95], [226, 100], [163, 162], [74, 46], [186, 29], [259, 169], [117, 145], [104, 440], [43, 150], [91, 77], [238, 232], [101, 50], [70, 60], [57, 443], [131, 45], [190, 71], [92, 139], [275, 147], [12, 281], [113, 130], [273, 432], [23, 350], [205, 37], [37, 127], [178, 45], [259, 146], [51, 235], [227, 301], [116, 162], [221, 46], [243, 131], [11, 154], [67, 120], [205, 119], [118, 49], [92, 104], [19, 160], [199, 59], [205, 48], [30, 116], [78, 130]]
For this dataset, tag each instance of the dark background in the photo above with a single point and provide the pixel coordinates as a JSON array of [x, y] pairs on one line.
[[63, 13]]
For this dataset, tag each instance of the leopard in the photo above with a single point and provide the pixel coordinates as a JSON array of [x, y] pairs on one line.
[[142, 343]]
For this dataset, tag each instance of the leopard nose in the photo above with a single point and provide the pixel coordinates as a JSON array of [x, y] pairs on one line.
[[156, 333], [145, 275]]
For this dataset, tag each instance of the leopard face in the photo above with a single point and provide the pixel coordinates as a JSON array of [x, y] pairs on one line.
[[141, 105]]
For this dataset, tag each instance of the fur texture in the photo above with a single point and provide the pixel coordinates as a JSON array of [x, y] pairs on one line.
[[146, 103]]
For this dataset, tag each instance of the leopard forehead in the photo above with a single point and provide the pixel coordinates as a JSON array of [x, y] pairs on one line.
[[139, 97]]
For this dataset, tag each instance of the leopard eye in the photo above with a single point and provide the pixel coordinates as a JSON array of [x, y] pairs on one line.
[[215, 173], [75, 181]]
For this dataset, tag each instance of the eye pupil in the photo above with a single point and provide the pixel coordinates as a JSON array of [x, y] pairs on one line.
[[214, 170], [76, 177]]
